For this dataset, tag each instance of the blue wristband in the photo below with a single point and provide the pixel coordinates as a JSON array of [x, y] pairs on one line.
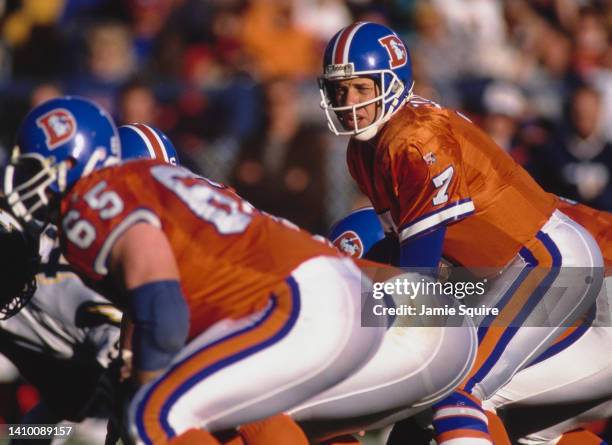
[[424, 251], [161, 323]]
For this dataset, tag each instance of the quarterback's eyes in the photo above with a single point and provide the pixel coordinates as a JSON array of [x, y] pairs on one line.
[[342, 91]]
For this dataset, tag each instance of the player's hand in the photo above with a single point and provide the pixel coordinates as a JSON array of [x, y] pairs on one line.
[[125, 372]]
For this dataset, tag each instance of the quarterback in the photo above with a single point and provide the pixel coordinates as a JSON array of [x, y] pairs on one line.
[[441, 186], [566, 396]]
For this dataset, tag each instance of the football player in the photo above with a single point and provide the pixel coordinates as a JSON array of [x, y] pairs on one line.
[[229, 326], [566, 396], [440, 185], [573, 378], [141, 141], [63, 339], [390, 386], [412, 369]]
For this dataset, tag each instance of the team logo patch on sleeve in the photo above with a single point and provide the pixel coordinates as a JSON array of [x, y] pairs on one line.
[[350, 243], [398, 56], [59, 126]]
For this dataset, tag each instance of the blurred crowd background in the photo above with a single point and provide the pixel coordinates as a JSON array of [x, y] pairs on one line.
[[233, 83]]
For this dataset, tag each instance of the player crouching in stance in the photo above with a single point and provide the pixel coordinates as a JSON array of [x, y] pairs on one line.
[[570, 384], [441, 186], [415, 366], [230, 326], [565, 396]]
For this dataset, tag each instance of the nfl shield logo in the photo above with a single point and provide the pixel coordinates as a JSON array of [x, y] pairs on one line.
[[59, 126], [429, 158], [349, 243]]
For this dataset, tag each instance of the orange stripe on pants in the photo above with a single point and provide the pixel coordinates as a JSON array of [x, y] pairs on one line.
[[212, 357], [501, 323]]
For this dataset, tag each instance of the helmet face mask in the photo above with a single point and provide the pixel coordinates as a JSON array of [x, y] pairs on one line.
[[19, 268], [19, 299], [388, 97], [27, 187], [365, 50]]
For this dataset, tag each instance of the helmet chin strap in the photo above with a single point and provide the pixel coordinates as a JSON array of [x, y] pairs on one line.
[[368, 133]]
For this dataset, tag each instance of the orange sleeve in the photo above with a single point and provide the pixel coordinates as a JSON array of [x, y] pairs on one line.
[[94, 215]]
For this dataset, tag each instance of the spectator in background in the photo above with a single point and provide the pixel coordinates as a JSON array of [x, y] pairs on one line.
[[218, 107], [578, 162], [111, 56], [148, 19], [38, 48], [321, 18], [437, 59], [553, 78], [602, 79], [275, 44], [207, 61], [137, 103], [280, 170], [44, 92], [20, 24], [591, 41], [12, 111], [505, 107], [478, 28], [110, 63]]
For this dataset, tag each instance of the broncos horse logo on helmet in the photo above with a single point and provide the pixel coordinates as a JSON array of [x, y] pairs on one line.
[[371, 50], [140, 141], [58, 142]]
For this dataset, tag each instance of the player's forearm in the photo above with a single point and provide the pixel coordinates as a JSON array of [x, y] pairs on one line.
[[424, 251], [161, 324]]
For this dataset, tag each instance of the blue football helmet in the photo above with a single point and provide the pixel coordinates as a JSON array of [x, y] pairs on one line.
[[357, 232], [58, 142], [140, 141], [366, 49]]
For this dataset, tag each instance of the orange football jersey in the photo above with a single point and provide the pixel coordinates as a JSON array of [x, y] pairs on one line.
[[597, 222], [230, 256], [430, 166]]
